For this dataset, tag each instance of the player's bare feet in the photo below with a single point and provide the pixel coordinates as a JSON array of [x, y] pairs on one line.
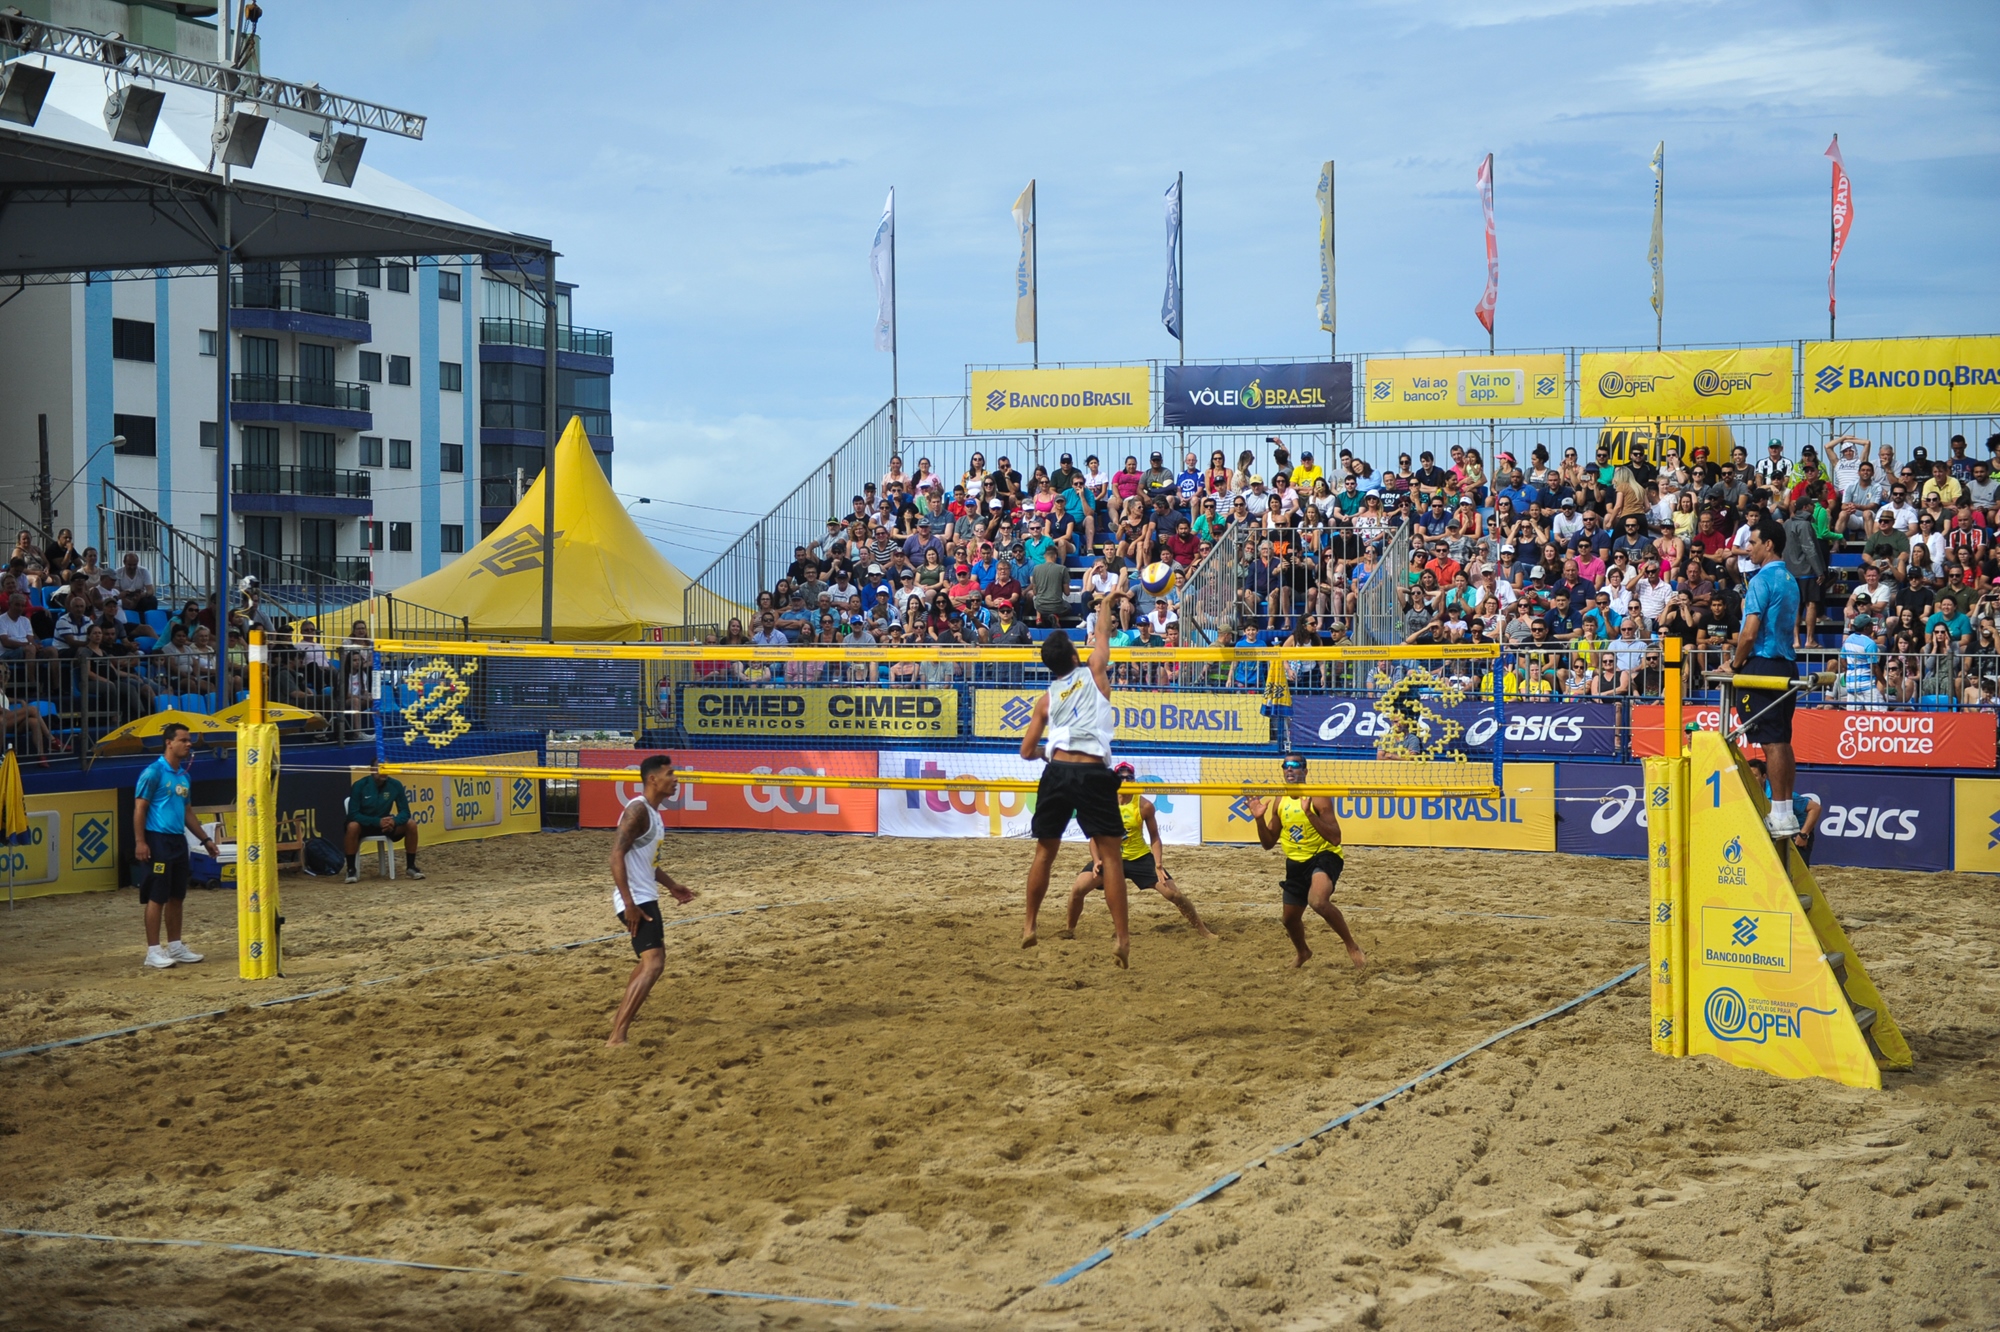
[[1305, 956], [1066, 932], [615, 1040], [1355, 955], [1028, 940], [1206, 932], [1122, 953]]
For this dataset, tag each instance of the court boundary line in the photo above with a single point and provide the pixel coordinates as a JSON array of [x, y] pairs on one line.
[[1208, 1191], [271, 1251]]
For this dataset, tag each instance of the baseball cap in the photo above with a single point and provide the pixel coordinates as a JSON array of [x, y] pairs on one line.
[[965, 568], [1778, 444], [1306, 456], [1067, 458], [1507, 549], [1157, 455], [1256, 480], [993, 504], [874, 568], [1568, 503], [1861, 624]]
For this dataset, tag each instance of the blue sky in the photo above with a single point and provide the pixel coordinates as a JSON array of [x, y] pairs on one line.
[[713, 176]]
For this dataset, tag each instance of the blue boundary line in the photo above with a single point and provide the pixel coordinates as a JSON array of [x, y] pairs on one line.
[[411, 1264], [1104, 1254], [47, 1046]]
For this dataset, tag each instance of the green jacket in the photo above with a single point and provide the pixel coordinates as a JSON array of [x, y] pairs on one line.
[[371, 798]]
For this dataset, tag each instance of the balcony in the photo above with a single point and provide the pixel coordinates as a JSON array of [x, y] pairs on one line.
[[497, 492], [276, 571], [528, 416], [288, 398], [530, 334], [321, 491], [288, 306]]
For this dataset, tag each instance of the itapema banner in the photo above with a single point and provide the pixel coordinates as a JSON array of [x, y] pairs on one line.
[[1311, 393], [1865, 823], [1566, 729]]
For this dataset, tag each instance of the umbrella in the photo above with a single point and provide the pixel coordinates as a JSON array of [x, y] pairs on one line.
[[131, 738], [13, 813], [283, 714]]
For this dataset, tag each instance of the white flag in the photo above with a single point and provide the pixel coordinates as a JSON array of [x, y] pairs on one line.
[[1024, 269], [1170, 305], [882, 262], [1656, 253]]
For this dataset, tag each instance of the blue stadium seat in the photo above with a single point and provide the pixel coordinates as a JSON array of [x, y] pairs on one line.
[[208, 702], [1841, 560], [1936, 702], [166, 702], [156, 620], [1039, 635]]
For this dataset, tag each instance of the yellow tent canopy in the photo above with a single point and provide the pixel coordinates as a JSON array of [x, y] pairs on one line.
[[611, 584]]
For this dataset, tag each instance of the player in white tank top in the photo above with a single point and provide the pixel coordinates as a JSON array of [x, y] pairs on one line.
[[1077, 720], [636, 879]]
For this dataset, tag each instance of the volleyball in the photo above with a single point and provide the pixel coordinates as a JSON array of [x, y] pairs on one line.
[[1157, 578]]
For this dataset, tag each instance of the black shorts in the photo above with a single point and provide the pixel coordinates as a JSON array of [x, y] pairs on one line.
[[1298, 879], [652, 934], [164, 878], [1809, 593], [1142, 871], [373, 828], [1774, 726], [1087, 792]]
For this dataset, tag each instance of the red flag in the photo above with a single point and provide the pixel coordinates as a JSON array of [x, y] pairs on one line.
[[1492, 297], [1843, 216]]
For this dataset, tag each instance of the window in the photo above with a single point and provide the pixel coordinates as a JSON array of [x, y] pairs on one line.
[[371, 450], [399, 280], [368, 272], [448, 284], [260, 356], [371, 367], [316, 362], [264, 536], [131, 340], [451, 376], [399, 536], [371, 536], [399, 453], [316, 538], [141, 438], [399, 369], [451, 538], [316, 451], [451, 457], [208, 434], [207, 345]]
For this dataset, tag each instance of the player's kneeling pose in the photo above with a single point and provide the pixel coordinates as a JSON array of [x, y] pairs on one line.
[[1143, 855], [1310, 835]]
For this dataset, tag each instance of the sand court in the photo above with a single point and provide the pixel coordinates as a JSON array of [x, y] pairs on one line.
[[858, 1087]]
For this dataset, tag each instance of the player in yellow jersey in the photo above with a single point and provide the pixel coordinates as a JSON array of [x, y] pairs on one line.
[[1144, 857], [1310, 835]]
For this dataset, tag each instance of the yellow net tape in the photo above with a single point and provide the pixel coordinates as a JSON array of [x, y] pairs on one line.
[[697, 652]]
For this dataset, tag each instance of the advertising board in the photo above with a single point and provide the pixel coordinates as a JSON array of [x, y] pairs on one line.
[[947, 813], [1861, 737], [789, 804], [1307, 393], [1521, 819], [1572, 728]]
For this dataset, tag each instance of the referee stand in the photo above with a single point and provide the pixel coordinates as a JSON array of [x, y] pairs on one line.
[[257, 919], [1748, 961]]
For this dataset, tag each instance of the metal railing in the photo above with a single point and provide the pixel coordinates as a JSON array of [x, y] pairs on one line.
[[729, 586], [182, 563], [290, 294], [1209, 589], [528, 416], [532, 333], [292, 390], [1376, 610], [284, 479], [498, 492]]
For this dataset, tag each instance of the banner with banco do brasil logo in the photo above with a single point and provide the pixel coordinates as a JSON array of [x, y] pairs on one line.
[[1903, 377], [1185, 716], [1061, 399], [1747, 381]]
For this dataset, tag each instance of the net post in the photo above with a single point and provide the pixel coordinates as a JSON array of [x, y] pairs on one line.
[[1674, 695], [256, 680], [1499, 723], [256, 850]]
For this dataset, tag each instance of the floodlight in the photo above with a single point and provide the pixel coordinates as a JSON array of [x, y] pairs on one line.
[[338, 156], [22, 88], [237, 137], [130, 113]]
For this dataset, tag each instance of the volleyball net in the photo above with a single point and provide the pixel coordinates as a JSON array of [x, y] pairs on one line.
[[1193, 720]]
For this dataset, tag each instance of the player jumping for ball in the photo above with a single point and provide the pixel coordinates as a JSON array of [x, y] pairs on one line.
[[636, 898], [1078, 781], [1313, 860], [1145, 859]]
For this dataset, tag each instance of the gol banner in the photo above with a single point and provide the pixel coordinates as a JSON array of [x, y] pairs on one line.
[[1522, 820], [1143, 714], [256, 851], [1748, 381], [1112, 395], [788, 713], [1903, 377], [1465, 388]]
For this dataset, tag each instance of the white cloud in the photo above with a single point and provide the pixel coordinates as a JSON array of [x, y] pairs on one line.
[[1496, 13], [1784, 65]]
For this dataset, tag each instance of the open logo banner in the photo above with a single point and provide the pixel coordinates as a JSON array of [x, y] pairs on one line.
[[1522, 818], [1865, 823], [1113, 395], [1860, 737], [1903, 377], [945, 813], [1749, 380], [796, 713], [791, 803], [1312, 393], [1570, 729], [1185, 716], [1466, 388]]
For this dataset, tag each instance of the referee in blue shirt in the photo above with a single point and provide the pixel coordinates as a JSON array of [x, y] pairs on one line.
[[1765, 647], [160, 825]]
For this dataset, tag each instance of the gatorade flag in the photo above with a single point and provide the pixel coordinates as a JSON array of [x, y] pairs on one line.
[[1492, 297], [1843, 216]]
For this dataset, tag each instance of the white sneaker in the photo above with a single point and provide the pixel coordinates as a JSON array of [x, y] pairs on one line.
[[180, 952], [157, 956], [352, 877], [1782, 822]]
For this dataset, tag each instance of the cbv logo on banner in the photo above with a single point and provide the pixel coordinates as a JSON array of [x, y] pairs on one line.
[[1569, 729]]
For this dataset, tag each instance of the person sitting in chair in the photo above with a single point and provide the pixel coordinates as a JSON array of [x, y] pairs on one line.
[[378, 806]]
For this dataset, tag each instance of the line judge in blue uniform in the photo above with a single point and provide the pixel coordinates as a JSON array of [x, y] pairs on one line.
[[1765, 647], [160, 827]]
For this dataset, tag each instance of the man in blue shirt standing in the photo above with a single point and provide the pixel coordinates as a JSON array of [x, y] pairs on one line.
[[160, 827], [1764, 647]]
